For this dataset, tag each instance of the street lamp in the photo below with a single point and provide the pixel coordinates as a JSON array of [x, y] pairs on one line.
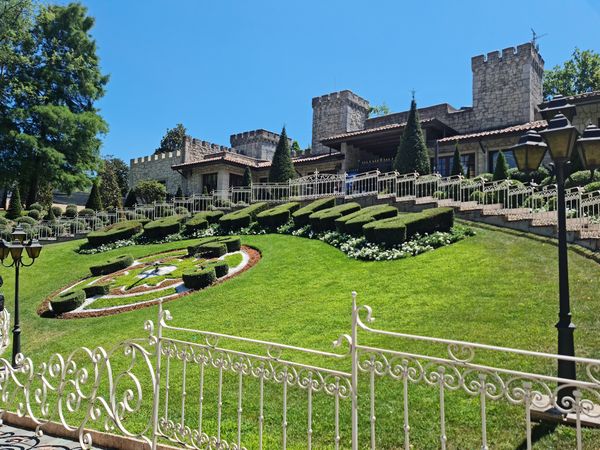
[[560, 138], [589, 147], [15, 249]]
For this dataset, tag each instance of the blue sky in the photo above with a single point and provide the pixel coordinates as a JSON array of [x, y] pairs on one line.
[[227, 66]]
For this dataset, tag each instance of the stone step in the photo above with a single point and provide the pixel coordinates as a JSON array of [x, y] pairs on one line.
[[424, 200]]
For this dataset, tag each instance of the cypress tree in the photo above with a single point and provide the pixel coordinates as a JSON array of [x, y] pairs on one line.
[[15, 207], [110, 192], [247, 180], [457, 167], [501, 169], [282, 168], [130, 200], [412, 155], [50, 216], [179, 192], [94, 202]]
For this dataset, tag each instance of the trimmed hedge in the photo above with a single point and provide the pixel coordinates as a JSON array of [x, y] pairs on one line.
[[353, 223], [67, 301], [199, 279], [275, 217], [163, 227], [397, 230], [112, 265], [301, 216], [243, 217], [233, 243], [196, 223], [115, 232], [96, 289], [324, 220], [221, 268], [211, 216], [208, 249]]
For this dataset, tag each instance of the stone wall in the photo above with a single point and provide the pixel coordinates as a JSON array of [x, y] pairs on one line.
[[195, 149], [157, 167], [336, 113], [587, 113], [259, 144]]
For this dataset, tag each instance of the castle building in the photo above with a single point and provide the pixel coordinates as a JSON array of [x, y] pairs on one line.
[[507, 92]]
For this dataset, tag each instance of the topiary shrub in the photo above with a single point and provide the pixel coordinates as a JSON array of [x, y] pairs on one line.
[[221, 268], [198, 279], [71, 211], [208, 249], [57, 210], [353, 223], [163, 227], [277, 216], [96, 289], [581, 178], [324, 220], [26, 219], [112, 265], [86, 212], [181, 210], [115, 232], [233, 243], [196, 223], [4, 221], [537, 175], [397, 230], [595, 186], [36, 206], [301, 216], [67, 301], [34, 214], [243, 217]]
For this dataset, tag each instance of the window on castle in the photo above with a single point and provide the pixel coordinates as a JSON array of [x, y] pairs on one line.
[[235, 180], [209, 182]]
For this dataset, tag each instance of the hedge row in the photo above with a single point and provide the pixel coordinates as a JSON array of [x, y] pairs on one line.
[[216, 246], [115, 232], [201, 220], [198, 279], [221, 268], [243, 217], [163, 227], [277, 216], [397, 230], [324, 219], [67, 301], [301, 216], [353, 223], [112, 265], [96, 289]]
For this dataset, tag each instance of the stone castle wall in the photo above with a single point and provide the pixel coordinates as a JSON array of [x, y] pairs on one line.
[[195, 149], [336, 113], [157, 167], [259, 144]]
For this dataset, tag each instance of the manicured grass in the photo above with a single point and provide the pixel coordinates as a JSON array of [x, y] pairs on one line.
[[119, 301], [233, 260], [491, 288]]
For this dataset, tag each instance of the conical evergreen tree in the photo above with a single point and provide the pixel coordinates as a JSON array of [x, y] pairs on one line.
[[412, 155], [179, 192], [247, 180], [94, 202], [501, 169], [50, 216], [282, 168], [130, 200], [15, 207], [110, 192], [457, 167]]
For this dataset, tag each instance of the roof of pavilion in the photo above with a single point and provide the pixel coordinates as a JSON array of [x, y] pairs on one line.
[[379, 136], [499, 132], [584, 97], [246, 161]]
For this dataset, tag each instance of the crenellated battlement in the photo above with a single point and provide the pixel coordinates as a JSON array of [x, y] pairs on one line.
[[508, 54], [156, 157], [341, 96], [260, 135]]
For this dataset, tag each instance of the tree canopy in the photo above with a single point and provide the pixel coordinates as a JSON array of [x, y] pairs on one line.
[[412, 155], [51, 79], [173, 140], [579, 74], [282, 168]]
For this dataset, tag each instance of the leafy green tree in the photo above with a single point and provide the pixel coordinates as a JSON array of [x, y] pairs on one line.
[[173, 140], [110, 192], [579, 74], [296, 150], [15, 207], [247, 180], [130, 200], [282, 168], [149, 191], [379, 110], [50, 126], [94, 201], [457, 167], [501, 169], [121, 170], [412, 155]]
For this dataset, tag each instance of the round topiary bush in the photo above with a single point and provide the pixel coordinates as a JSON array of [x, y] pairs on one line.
[[198, 279], [112, 265], [595, 186], [87, 212], [115, 232], [221, 268], [26, 220], [34, 214], [4, 221], [71, 211], [67, 301], [57, 210], [208, 249], [36, 206]]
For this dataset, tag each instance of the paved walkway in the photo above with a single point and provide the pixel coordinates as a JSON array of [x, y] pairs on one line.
[[12, 438]]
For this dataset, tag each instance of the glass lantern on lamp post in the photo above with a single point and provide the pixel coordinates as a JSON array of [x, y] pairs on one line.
[[15, 249]]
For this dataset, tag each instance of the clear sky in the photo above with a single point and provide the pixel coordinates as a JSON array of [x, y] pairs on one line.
[[223, 67]]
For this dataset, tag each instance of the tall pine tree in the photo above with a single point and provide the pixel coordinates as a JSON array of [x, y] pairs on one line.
[[457, 167], [501, 169], [94, 202], [413, 154], [282, 168], [130, 201]]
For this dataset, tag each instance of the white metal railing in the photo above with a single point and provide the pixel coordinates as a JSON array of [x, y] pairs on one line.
[[362, 185], [205, 389], [4, 330]]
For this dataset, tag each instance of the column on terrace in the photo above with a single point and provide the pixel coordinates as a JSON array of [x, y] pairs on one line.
[[351, 157], [222, 180]]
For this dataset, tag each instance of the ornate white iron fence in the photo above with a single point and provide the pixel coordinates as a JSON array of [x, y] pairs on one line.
[[209, 390]]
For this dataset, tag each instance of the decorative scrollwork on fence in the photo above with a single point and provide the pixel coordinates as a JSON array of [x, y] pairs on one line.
[[4, 330]]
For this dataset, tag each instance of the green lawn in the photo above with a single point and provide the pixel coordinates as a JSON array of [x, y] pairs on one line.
[[491, 288]]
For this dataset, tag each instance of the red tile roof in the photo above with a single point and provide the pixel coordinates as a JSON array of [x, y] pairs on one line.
[[236, 158], [536, 125], [389, 127]]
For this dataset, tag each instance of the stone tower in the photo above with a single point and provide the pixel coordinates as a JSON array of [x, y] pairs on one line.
[[336, 113], [259, 144], [507, 86]]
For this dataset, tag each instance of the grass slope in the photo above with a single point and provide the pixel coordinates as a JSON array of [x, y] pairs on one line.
[[492, 288]]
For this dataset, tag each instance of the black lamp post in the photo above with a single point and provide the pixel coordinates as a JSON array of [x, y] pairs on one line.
[[15, 249]]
